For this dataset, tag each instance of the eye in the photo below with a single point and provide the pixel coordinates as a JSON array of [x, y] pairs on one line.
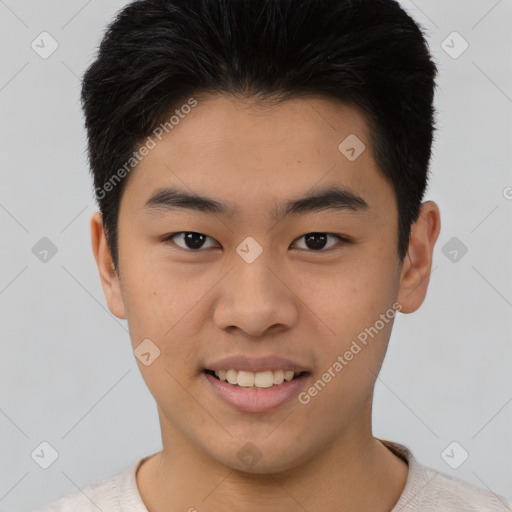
[[317, 240], [191, 239]]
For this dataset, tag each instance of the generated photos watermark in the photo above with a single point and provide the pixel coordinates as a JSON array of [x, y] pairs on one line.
[[145, 148], [354, 349]]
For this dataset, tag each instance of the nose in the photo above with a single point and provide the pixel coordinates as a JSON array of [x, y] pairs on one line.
[[255, 299]]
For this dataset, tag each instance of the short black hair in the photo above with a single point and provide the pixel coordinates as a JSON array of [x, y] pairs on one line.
[[156, 54]]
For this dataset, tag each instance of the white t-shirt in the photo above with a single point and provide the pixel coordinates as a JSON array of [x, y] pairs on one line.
[[426, 490]]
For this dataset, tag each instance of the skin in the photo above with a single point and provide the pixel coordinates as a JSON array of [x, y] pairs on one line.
[[198, 305]]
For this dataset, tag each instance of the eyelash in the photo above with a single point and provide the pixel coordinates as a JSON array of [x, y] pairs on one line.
[[342, 239]]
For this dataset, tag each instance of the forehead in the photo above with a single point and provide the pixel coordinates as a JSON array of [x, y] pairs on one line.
[[252, 153], [294, 128]]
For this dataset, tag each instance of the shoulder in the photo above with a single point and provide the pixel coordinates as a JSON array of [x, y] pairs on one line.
[[102, 495], [446, 492], [430, 490]]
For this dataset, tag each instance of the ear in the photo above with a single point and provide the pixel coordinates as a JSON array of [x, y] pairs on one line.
[[417, 264], [109, 278]]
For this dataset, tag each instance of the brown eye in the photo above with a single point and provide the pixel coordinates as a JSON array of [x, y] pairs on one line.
[[189, 240], [314, 241], [317, 241]]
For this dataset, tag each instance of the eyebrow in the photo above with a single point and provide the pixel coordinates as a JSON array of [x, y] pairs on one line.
[[329, 198]]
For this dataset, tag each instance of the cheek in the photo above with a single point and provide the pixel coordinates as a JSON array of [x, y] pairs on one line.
[[348, 368], [349, 303], [351, 298], [166, 308], [153, 297]]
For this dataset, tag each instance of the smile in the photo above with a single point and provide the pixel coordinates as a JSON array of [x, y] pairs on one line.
[[252, 397]]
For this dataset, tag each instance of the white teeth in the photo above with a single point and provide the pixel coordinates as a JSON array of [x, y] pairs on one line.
[[288, 375], [231, 376], [279, 377], [245, 379], [263, 379]]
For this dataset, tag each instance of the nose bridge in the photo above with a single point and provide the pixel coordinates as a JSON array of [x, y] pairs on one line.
[[253, 296], [255, 282]]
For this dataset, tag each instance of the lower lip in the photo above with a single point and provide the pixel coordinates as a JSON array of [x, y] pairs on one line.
[[257, 400]]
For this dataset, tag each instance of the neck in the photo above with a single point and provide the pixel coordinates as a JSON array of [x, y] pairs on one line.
[[353, 472]]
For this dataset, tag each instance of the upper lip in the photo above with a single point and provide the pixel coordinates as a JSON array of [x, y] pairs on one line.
[[260, 364]]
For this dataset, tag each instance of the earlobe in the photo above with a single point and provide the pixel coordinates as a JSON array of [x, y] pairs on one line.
[[110, 280], [417, 265]]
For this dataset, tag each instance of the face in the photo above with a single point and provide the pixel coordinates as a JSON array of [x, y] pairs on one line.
[[262, 271]]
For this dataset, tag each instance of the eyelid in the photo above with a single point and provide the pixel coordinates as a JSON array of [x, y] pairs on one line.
[[342, 240], [168, 238]]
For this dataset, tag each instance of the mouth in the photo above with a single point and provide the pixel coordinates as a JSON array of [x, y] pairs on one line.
[[255, 380], [255, 392]]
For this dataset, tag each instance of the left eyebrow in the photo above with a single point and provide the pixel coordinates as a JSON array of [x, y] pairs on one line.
[[330, 198]]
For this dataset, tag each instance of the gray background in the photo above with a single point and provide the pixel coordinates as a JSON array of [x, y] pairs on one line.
[[67, 373]]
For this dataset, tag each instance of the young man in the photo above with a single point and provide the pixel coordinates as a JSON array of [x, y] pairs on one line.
[[260, 168]]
